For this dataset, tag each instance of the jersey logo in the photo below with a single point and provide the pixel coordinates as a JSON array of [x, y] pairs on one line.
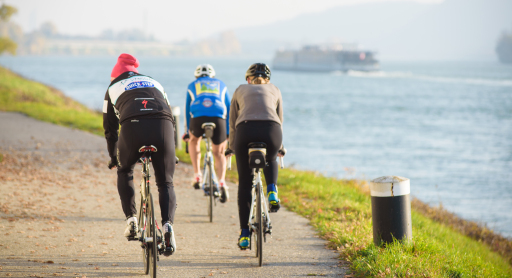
[[139, 84], [207, 87], [144, 102], [207, 102]]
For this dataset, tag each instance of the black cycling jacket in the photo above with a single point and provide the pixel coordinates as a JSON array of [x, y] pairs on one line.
[[132, 96]]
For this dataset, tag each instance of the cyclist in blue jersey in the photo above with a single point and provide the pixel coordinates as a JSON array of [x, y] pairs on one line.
[[208, 101]]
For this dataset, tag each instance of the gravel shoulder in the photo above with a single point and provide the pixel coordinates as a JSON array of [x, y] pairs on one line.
[[60, 215]]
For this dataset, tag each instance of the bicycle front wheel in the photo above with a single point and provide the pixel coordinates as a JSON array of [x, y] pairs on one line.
[[145, 248], [259, 218], [152, 246]]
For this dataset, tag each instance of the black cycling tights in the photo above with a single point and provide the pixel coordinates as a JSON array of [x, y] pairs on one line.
[[255, 131], [134, 134]]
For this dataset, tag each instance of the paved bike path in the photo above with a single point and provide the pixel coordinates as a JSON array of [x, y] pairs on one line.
[[60, 215]]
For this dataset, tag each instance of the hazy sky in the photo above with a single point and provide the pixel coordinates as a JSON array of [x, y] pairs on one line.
[[166, 20]]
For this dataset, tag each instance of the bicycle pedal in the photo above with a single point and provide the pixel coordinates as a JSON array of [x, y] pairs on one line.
[[196, 186], [168, 251], [275, 207]]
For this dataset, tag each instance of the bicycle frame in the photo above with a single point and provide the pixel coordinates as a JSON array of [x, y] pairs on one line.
[[208, 163], [253, 224], [145, 192]]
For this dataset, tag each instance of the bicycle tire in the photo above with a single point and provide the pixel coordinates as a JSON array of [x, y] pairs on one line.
[[259, 241], [253, 227], [152, 233], [210, 181], [145, 249]]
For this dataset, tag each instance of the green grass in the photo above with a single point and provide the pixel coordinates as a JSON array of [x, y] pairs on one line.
[[340, 210], [39, 101]]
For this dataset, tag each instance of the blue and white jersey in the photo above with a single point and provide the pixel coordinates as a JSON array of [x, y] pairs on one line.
[[207, 97]]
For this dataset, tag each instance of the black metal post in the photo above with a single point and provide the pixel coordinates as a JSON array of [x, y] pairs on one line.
[[391, 209]]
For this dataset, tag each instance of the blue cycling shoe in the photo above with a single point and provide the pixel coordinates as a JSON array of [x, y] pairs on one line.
[[245, 239], [273, 200]]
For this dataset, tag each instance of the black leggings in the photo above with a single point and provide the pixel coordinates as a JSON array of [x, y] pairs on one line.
[[134, 134], [247, 132]]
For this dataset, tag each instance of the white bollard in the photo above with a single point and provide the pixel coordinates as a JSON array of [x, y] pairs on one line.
[[177, 137]]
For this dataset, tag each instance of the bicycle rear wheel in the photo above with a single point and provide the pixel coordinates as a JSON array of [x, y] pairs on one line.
[[259, 218], [152, 246], [210, 198], [145, 249]]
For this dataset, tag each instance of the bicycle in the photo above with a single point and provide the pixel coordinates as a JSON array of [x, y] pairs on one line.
[[259, 220], [149, 233], [209, 177]]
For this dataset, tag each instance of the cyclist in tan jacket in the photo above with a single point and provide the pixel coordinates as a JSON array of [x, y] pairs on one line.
[[256, 115]]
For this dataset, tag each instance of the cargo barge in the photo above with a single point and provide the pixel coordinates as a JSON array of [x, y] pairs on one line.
[[325, 59]]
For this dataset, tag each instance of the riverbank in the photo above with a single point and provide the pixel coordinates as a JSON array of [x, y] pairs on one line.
[[338, 209]]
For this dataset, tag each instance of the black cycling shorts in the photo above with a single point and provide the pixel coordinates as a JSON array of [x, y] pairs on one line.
[[219, 133]]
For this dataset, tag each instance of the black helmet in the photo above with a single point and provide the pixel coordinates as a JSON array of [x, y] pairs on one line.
[[258, 70]]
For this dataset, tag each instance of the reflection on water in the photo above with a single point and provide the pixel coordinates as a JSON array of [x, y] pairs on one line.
[[445, 125]]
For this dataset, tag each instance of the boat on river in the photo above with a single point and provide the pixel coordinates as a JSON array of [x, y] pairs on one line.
[[504, 48], [325, 59]]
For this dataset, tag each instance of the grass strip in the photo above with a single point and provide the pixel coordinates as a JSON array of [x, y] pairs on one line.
[[340, 210], [45, 103], [496, 242]]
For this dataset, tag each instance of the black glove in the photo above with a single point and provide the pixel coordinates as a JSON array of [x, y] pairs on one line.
[[185, 137], [113, 162], [228, 152], [282, 151]]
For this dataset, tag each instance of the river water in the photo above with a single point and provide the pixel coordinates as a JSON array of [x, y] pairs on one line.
[[447, 126]]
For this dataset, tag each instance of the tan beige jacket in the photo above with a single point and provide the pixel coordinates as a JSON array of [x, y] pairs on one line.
[[258, 102]]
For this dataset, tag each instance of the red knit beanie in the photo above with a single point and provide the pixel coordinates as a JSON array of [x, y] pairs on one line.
[[125, 62]]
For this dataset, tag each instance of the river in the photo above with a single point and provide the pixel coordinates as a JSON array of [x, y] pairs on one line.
[[447, 126]]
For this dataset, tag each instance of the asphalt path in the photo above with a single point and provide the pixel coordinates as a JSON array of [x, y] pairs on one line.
[[60, 215]]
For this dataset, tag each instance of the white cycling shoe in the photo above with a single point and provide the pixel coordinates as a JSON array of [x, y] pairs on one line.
[[170, 242], [131, 227], [224, 192], [196, 182]]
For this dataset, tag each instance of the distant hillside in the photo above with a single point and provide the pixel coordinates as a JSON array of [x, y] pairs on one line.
[[46, 40], [453, 30]]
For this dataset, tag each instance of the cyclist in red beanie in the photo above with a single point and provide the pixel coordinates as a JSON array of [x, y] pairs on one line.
[[140, 105], [125, 62]]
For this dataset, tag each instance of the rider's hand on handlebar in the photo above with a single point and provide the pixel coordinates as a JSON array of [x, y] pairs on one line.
[[113, 162], [281, 152], [229, 152], [185, 137]]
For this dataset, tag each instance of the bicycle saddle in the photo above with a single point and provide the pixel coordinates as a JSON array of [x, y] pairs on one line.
[[259, 145], [257, 152], [204, 125], [147, 150], [208, 129]]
